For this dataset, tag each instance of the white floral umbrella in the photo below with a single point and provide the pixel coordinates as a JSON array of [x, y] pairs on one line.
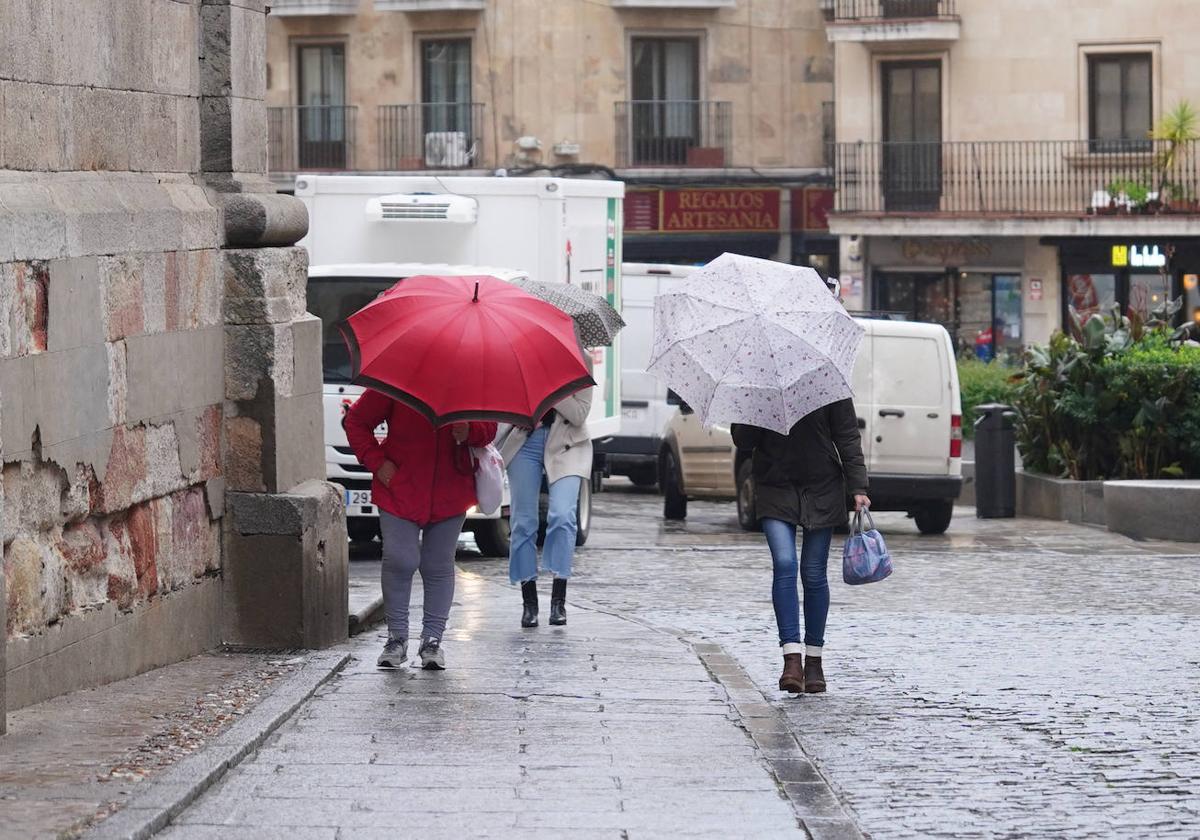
[[752, 341]]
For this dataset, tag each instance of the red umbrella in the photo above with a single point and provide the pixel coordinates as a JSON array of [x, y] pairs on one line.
[[466, 348]]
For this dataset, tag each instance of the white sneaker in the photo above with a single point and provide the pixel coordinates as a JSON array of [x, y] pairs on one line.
[[432, 657], [394, 656]]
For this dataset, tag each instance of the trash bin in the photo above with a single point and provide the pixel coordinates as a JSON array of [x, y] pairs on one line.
[[995, 462]]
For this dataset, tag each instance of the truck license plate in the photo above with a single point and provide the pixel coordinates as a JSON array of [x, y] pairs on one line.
[[358, 497]]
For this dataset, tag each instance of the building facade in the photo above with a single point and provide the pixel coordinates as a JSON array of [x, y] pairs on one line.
[[994, 163], [716, 113]]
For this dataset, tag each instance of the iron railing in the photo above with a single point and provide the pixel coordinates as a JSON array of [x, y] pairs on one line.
[[694, 133], [430, 135], [1039, 177], [311, 137], [868, 10]]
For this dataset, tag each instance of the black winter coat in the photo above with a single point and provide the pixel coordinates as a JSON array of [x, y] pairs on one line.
[[805, 476]]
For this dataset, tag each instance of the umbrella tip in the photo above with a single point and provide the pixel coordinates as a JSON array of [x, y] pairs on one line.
[[476, 298]]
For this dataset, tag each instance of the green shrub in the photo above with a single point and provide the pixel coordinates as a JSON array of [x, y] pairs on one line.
[[1112, 400], [981, 383]]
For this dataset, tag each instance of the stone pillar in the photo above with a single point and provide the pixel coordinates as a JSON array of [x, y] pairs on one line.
[[286, 557]]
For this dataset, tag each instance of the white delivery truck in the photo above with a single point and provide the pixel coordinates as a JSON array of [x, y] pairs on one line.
[[645, 411], [367, 232]]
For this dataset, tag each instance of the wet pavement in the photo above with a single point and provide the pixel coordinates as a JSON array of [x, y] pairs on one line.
[[1014, 678]]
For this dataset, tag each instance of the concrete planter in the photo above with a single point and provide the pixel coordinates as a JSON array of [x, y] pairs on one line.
[[1156, 510], [1061, 499]]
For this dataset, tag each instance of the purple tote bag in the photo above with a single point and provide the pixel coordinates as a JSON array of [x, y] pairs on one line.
[[865, 559]]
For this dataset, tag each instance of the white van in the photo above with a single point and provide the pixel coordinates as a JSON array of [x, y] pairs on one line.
[[644, 407], [910, 413], [335, 292]]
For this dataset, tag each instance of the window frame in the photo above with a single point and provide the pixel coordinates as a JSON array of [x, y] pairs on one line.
[[1124, 60]]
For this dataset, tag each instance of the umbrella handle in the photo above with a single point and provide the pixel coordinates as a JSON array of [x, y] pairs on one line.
[[476, 298]]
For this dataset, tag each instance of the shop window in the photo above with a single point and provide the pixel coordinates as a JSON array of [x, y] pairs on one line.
[[989, 315], [1091, 294], [1148, 292], [1191, 297], [1120, 97]]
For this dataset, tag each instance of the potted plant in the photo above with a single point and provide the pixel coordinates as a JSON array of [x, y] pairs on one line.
[[1127, 195], [1175, 133]]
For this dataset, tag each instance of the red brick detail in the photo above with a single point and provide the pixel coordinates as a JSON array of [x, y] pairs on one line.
[[143, 540], [191, 529], [208, 432], [121, 590], [82, 547], [127, 466]]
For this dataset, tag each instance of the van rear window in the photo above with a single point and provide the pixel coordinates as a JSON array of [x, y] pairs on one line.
[[908, 371], [334, 299]]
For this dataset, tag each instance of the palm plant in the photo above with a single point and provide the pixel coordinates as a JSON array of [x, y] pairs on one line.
[[1176, 129]]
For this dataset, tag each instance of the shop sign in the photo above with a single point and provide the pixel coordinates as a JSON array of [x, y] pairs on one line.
[[811, 207], [948, 252], [712, 210], [1138, 256], [1035, 288]]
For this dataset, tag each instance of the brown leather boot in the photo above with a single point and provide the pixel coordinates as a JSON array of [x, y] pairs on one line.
[[792, 679], [814, 677]]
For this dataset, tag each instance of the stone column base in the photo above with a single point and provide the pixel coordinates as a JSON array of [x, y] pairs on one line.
[[286, 568]]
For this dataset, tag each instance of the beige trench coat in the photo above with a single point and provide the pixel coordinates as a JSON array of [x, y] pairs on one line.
[[569, 444]]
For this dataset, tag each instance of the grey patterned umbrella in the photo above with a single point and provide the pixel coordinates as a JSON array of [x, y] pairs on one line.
[[595, 319]]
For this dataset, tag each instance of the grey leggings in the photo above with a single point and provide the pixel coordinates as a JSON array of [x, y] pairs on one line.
[[405, 550]]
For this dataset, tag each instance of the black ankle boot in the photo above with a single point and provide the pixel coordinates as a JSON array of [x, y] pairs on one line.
[[558, 602], [529, 615]]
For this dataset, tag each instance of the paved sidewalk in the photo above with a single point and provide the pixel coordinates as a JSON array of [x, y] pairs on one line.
[[601, 729], [72, 760]]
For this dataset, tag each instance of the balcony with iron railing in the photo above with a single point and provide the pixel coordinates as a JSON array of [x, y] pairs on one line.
[[430, 5], [409, 137], [1015, 180], [430, 135], [674, 133], [892, 20], [312, 138], [300, 8]]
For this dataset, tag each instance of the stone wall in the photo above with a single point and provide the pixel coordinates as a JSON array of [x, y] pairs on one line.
[[126, 130]]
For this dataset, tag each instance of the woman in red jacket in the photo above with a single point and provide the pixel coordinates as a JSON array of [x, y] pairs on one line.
[[424, 484]]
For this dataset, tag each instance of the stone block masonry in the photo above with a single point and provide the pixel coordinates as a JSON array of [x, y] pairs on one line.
[[154, 344]]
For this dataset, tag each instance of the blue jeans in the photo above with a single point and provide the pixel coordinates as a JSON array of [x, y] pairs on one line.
[[813, 567], [525, 483]]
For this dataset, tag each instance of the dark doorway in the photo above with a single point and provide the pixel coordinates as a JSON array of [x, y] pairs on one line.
[[912, 134]]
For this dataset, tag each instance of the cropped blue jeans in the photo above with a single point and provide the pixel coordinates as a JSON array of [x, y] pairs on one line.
[[812, 565], [525, 483]]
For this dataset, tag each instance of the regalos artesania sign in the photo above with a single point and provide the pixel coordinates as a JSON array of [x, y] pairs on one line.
[[715, 210]]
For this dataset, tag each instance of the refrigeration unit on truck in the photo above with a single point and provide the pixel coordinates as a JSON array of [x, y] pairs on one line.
[[367, 232]]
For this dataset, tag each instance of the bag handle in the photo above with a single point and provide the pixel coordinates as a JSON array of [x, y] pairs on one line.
[[856, 523], [866, 510]]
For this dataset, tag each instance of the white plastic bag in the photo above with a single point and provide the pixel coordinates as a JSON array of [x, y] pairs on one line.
[[489, 478]]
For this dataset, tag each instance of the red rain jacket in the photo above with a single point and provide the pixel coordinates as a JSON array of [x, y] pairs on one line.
[[435, 479]]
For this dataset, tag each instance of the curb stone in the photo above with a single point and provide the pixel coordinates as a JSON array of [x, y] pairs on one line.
[[813, 800], [152, 807], [368, 616]]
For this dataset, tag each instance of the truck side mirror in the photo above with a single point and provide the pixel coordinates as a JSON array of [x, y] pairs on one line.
[[675, 399]]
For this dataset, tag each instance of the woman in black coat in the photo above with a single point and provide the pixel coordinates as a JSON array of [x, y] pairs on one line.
[[801, 480]]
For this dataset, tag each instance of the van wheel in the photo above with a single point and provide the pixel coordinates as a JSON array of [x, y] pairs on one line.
[[493, 536], [747, 516], [934, 518], [362, 529], [644, 478], [674, 501], [583, 513]]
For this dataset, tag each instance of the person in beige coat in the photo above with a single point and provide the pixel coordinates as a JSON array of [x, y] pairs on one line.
[[561, 447]]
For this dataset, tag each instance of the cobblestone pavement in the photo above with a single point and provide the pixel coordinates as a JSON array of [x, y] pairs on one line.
[[602, 729], [1014, 678]]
